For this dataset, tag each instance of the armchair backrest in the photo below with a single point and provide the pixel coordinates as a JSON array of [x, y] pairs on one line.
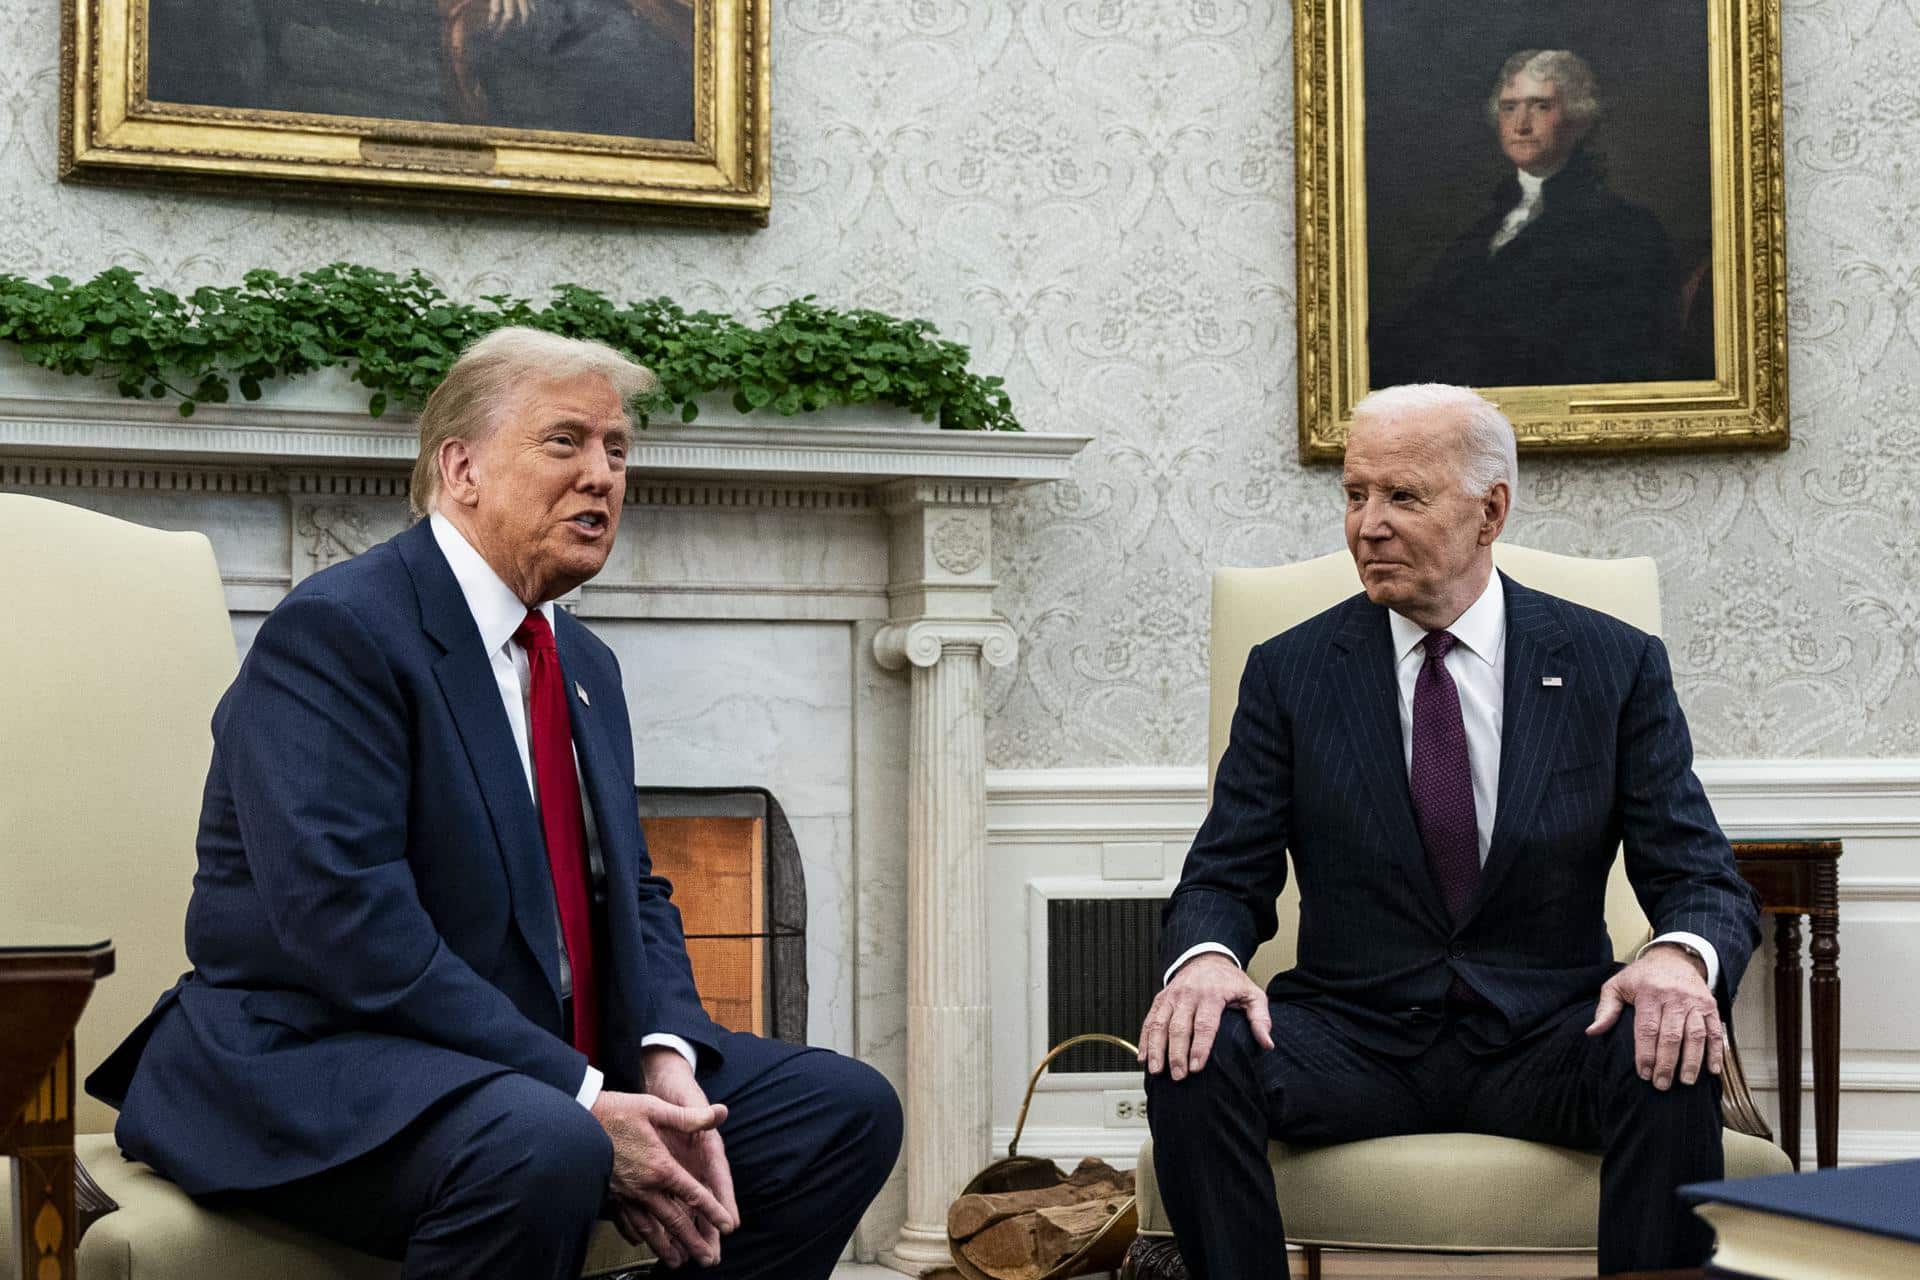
[[116, 648], [1252, 605]]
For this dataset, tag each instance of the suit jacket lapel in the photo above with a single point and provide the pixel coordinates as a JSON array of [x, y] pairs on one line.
[[1364, 678], [465, 675], [1533, 716]]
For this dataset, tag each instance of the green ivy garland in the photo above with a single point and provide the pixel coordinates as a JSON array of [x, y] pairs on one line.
[[398, 334]]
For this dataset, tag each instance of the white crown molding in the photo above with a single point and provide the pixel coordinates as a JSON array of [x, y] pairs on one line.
[[1753, 798], [1811, 798], [1178, 784]]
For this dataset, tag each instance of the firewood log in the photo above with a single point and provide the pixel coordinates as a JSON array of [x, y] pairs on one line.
[[1027, 1245], [972, 1214]]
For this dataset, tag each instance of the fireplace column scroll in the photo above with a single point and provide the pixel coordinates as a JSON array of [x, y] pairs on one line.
[[942, 631]]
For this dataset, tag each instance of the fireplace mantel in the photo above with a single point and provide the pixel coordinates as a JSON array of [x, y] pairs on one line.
[[804, 605], [321, 421]]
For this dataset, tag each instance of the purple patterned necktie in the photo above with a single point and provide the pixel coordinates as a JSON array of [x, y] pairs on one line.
[[1442, 779]]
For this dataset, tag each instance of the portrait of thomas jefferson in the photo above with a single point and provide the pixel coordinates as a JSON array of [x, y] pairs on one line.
[[1560, 279]]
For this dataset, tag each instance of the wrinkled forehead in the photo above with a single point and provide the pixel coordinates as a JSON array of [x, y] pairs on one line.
[[1524, 85], [586, 399], [1407, 445]]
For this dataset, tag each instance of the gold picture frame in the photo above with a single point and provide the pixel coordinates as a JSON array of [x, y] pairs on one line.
[[1716, 374], [650, 108]]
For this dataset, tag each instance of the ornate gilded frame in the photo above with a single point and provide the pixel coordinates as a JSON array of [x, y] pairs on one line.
[[1745, 405], [111, 132]]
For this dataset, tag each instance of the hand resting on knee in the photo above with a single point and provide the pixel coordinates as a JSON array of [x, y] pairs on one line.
[[1676, 1024], [1185, 1017]]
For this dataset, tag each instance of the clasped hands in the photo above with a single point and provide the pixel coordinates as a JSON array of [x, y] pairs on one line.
[[671, 1185], [1676, 1024]]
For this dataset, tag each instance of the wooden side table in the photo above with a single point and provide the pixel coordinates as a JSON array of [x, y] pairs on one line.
[[1801, 878], [45, 981]]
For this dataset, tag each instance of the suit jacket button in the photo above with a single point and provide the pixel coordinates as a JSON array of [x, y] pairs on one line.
[[1456, 951]]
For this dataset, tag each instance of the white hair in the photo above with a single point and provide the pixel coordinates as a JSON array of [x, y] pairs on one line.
[[1579, 91], [1490, 454], [483, 380]]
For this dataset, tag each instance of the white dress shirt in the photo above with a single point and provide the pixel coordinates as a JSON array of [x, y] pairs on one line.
[[1521, 214], [498, 613], [1478, 667]]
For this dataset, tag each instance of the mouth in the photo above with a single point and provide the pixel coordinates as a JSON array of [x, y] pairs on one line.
[[592, 524]]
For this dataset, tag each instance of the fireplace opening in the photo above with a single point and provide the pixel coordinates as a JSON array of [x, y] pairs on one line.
[[735, 868]]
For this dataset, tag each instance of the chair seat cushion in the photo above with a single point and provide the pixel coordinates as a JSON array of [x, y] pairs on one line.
[[1382, 1194], [176, 1239]]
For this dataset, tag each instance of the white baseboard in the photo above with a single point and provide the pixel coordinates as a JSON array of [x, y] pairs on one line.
[[1867, 1146], [1071, 1143]]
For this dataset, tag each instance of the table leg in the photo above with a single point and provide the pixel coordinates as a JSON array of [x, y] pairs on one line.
[[42, 1137], [1825, 995], [1786, 1018]]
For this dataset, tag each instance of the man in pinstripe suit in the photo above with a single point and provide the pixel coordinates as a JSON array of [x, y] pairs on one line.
[[1451, 759]]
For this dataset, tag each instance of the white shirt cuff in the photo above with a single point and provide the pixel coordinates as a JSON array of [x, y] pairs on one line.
[[1697, 943], [674, 1043], [1197, 949], [590, 1087]]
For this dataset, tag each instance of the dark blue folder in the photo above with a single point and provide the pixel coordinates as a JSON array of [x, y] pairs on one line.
[[1882, 1200]]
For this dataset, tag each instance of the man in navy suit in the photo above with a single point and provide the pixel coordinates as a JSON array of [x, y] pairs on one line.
[[440, 1009], [1450, 759]]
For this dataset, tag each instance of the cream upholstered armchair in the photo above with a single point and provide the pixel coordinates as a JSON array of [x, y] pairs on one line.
[[117, 647], [1504, 1195]]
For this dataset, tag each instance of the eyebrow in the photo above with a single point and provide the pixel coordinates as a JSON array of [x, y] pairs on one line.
[[583, 423], [1390, 486]]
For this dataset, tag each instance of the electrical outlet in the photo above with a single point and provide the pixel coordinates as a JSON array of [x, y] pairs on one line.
[[1124, 1109]]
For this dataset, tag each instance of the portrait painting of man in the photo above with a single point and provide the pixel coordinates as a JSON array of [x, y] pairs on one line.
[[1537, 186], [619, 68]]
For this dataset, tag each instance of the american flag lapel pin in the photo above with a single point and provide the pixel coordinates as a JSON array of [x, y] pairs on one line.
[[1546, 682], [586, 701]]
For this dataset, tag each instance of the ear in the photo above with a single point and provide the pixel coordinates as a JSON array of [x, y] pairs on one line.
[[458, 482], [1493, 512]]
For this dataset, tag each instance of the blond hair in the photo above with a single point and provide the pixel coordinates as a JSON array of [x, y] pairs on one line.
[[482, 383]]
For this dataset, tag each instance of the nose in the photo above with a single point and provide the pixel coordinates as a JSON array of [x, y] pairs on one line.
[[1373, 520], [598, 477]]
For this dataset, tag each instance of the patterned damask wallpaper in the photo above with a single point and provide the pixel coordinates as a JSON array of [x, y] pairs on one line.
[[1097, 194]]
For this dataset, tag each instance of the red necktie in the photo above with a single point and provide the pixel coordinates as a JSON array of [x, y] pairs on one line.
[[562, 821]]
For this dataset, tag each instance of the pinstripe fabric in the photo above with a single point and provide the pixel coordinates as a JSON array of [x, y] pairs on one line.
[[1314, 770]]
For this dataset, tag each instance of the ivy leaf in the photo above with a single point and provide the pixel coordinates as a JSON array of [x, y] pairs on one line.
[[400, 333]]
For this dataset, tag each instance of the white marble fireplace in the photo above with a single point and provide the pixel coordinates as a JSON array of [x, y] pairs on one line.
[[805, 607]]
